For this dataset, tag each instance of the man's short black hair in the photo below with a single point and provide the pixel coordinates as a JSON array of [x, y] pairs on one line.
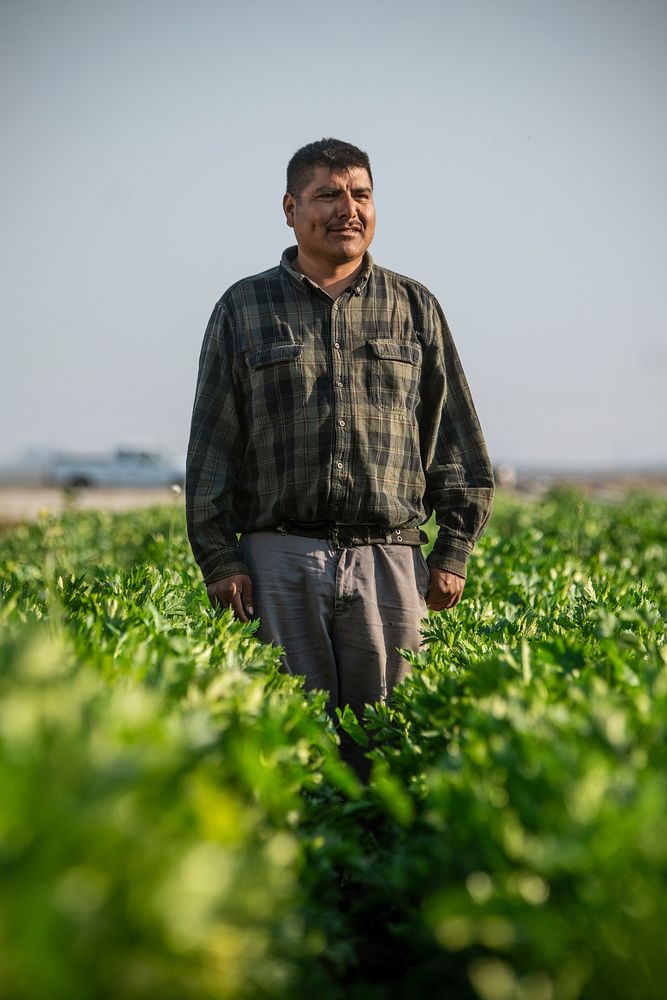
[[332, 153]]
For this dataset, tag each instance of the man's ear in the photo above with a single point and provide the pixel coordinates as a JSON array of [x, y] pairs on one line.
[[289, 201]]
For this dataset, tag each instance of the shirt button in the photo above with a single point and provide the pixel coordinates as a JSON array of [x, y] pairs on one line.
[[341, 423], [339, 384], [339, 465], [337, 346]]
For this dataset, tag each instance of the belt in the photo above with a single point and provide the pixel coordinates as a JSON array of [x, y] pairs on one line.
[[345, 535]]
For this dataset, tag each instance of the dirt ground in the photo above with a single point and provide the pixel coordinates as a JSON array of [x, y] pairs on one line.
[[31, 502], [28, 503]]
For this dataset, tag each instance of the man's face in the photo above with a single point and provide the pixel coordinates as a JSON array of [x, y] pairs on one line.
[[333, 216]]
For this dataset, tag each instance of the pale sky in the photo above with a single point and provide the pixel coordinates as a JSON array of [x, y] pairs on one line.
[[519, 151]]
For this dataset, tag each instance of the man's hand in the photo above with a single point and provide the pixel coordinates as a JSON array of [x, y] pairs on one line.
[[233, 592], [445, 590]]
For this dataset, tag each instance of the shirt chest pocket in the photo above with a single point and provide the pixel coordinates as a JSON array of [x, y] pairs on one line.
[[276, 383], [395, 373]]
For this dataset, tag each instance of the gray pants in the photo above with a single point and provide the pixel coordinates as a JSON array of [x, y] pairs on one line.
[[341, 615]]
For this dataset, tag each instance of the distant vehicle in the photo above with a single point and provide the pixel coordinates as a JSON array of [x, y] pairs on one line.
[[125, 467]]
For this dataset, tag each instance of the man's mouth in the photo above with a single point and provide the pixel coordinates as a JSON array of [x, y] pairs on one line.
[[349, 230]]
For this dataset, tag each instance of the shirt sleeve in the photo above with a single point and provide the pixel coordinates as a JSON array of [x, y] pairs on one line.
[[459, 476], [213, 456]]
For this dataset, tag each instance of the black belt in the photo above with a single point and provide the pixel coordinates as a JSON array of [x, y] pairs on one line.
[[344, 535]]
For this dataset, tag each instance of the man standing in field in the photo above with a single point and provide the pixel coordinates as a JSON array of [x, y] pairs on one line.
[[331, 416]]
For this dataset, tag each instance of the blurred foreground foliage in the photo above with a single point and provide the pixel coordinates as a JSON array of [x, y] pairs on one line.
[[175, 821]]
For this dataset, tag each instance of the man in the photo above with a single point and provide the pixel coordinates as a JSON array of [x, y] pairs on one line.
[[331, 416]]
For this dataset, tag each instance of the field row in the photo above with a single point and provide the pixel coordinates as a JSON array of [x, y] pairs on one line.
[[176, 822]]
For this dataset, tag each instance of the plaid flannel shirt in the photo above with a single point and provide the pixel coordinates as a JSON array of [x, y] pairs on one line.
[[354, 411]]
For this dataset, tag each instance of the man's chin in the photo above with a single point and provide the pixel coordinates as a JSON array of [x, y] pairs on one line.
[[350, 251]]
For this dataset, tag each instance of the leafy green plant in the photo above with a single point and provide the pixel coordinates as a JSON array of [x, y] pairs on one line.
[[175, 819]]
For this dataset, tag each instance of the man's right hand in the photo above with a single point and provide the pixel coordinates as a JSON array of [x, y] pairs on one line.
[[233, 592]]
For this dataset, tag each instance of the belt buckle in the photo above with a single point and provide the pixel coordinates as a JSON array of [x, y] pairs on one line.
[[342, 537]]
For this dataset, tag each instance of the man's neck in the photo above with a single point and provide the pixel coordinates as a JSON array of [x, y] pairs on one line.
[[334, 279]]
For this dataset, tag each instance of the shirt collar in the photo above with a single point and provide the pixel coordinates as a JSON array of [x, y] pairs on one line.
[[289, 256]]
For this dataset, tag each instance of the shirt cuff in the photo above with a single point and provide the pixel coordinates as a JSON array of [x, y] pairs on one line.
[[450, 557], [224, 563]]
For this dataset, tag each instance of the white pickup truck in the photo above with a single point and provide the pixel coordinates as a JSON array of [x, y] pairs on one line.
[[124, 467]]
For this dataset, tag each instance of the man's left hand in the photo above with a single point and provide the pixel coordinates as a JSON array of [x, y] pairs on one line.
[[445, 590]]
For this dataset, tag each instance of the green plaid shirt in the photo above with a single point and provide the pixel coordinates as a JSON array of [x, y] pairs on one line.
[[354, 411]]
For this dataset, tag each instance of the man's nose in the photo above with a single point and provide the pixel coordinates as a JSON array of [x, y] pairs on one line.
[[346, 207]]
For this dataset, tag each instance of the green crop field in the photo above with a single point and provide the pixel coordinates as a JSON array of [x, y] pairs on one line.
[[176, 824]]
